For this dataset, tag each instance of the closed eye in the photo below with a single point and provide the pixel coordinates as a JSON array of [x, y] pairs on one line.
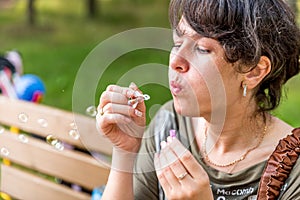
[[176, 46], [203, 50]]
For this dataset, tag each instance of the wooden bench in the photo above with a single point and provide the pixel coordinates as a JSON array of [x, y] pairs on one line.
[[34, 165]]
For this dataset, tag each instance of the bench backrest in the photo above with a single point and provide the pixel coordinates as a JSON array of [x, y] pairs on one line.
[[31, 164]]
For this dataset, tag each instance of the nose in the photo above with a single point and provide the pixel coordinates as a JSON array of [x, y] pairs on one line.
[[178, 62]]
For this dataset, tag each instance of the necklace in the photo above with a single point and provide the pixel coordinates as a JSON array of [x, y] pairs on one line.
[[205, 155]]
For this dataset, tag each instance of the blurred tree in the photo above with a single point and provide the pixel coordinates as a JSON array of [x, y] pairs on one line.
[[31, 12], [92, 8]]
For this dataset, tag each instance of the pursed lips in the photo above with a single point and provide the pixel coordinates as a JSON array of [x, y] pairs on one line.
[[175, 87]]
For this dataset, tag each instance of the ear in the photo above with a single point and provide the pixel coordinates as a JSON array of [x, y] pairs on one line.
[[257, 74]]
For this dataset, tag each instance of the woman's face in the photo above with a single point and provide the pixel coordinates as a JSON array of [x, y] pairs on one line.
[[201, 81]]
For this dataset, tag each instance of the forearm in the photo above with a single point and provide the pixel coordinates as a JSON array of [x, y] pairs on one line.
[[120, 180], [119, 186]]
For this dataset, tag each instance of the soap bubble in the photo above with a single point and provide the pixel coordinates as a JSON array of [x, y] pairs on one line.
[[23, 138], [42, 122], [53, 141], [4, 151], [59, 146], [73, 125], [74, 134], [146, 97], [23, 117], [91, 111]]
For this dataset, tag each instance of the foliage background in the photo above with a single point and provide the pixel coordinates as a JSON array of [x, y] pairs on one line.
[[63, 36]]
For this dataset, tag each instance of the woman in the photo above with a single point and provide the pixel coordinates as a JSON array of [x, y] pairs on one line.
[[229, 62]]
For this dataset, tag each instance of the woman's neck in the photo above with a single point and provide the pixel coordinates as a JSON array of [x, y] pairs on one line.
[[238, 130]]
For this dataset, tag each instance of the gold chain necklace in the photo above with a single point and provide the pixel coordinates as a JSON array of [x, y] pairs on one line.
[[205, 155]]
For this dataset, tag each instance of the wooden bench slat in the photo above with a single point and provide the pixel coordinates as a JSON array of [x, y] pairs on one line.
[[40, 156], [59, 123], [34, 157], [27, 186]]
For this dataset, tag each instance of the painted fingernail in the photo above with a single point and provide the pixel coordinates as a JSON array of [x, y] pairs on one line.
[[138, 113]]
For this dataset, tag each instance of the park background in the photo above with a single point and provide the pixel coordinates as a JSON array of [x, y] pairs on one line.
[[62, 33]]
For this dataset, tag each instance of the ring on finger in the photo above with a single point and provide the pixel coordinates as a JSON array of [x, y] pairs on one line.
[[182, 176]]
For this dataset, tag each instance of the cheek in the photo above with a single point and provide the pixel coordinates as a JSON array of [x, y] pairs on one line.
[[209, 89], [197, 99]]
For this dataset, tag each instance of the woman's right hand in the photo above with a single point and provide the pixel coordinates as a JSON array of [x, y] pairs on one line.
[[121, 123]]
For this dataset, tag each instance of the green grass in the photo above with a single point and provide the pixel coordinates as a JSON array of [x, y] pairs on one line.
[[63, 37], [55, 48]]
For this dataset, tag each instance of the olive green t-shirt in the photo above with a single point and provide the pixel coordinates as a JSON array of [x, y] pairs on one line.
[[225, 186]]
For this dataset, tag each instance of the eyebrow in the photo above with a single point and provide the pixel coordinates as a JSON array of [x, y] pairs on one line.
[[179, 32], [182, 32]]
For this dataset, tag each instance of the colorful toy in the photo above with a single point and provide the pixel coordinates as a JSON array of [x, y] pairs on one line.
[[7, 74], [14, 57], [29, 87], [97, 193]]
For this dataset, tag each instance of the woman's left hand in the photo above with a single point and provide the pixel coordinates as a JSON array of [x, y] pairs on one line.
[[179, 173]]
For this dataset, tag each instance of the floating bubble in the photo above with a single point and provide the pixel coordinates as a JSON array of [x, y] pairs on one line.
[[74, 134], [59, 146], [73, 125], [23, 117], [53, 141], [146, 97], [4, 151], [91, 111], [42, 122], [23, 138], [2, 129]]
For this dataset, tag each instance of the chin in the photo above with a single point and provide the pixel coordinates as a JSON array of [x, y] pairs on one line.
[[186, 109]]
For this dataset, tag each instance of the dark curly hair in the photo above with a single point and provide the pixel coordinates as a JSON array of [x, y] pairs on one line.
[[247, 30]]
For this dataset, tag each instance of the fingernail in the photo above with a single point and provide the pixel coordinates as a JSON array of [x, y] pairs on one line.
[[163, 144], [138, 113], [133, 85], [169, 139]]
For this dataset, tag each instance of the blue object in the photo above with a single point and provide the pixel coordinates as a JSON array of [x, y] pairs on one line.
[[97, 193], [30, 87]]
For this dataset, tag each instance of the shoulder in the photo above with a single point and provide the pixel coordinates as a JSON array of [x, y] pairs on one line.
[[277, 130]]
